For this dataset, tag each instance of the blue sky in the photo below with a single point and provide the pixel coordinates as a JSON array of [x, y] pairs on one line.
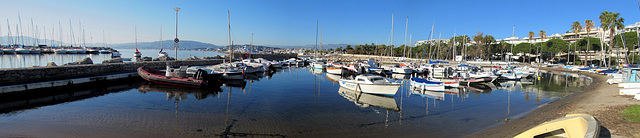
[[293, 22]]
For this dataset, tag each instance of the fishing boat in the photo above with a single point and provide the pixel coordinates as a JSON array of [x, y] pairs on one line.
[[572, 125], [334, 70], [426, 84], [172, 78], [371, 84], [449, 83], [470, 81]]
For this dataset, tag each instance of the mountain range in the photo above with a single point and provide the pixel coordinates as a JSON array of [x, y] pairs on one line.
[[167, 44]]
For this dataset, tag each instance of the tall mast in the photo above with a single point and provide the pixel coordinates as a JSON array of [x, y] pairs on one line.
[[391, 35], [406, 27], [20, 33], [320, 42], [316, 47], [230, 45], [176, 39], [453, 55], [161, 37]]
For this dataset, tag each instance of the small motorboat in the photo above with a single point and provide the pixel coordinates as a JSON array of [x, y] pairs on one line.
[[174, 77], [572, 126], [371, 84], [426, 84]]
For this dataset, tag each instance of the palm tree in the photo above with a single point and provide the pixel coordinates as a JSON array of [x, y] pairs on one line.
[[576, 27], [531, 34], [588, 24], [542, 35], [611, 21]]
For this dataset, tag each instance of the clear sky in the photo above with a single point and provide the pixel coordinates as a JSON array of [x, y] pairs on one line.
[[293, 22]]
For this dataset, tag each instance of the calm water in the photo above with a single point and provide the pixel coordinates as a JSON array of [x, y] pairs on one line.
[[28, 60], [293, 102]]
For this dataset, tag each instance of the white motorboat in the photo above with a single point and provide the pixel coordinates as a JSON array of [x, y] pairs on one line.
[[115, 54], [424, 84], [20, 50], [60, 51], [227, 71], [399, 69], [102, 51], [371, 84], [35, 51]]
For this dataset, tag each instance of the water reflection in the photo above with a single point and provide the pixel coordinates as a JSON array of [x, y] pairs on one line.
[[180, 93], [367, 100], [428, 94], [31, 100]]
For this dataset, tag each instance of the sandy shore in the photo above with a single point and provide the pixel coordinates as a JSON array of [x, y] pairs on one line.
[[601, 100]]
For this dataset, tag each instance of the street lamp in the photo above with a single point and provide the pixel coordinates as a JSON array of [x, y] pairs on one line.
[[176, 40]]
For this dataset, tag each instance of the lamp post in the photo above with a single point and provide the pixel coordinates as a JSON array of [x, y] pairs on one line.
[[176, 40]]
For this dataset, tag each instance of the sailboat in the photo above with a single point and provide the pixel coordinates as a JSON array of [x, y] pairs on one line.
[[137, 53], [161, 53]]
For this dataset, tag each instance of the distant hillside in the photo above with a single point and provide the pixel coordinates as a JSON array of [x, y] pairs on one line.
[[167, 44], [324, 46]]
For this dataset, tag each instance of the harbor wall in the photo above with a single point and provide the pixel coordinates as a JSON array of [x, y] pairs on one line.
[[275, 56], [12, 76], [39, 74]]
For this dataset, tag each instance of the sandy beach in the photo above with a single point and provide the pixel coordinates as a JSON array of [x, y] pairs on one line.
[[602, 101]]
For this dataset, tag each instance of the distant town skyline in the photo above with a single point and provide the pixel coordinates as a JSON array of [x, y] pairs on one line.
[[291, 23]]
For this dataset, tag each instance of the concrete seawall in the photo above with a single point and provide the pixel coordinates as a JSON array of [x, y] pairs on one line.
[[40, 74]]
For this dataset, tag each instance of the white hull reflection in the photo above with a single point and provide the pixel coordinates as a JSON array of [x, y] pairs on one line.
[[368, 100]]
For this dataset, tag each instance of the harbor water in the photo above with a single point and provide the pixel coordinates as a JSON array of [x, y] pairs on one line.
[[30, 60], [293, 102]]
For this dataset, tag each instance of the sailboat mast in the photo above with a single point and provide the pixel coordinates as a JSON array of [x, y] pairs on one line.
[[316, 47], [230, 45], [161, 37], [391, 35], [453, 55], [135, 28], [406, 27]]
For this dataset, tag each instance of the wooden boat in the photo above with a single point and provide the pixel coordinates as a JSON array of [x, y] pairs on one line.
[[160, 77], [371, 84], [572, 125], [426, 84], [470, 81], [334, 70]]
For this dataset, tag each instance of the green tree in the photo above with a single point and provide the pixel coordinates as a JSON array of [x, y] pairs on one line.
[[478, 39], [554, 46], [531, 35], [611, 21], [588, 24], [576, 27], [488, 40], [542, 35]]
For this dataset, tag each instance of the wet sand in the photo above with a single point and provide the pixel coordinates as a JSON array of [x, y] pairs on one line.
[[601, 100]]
